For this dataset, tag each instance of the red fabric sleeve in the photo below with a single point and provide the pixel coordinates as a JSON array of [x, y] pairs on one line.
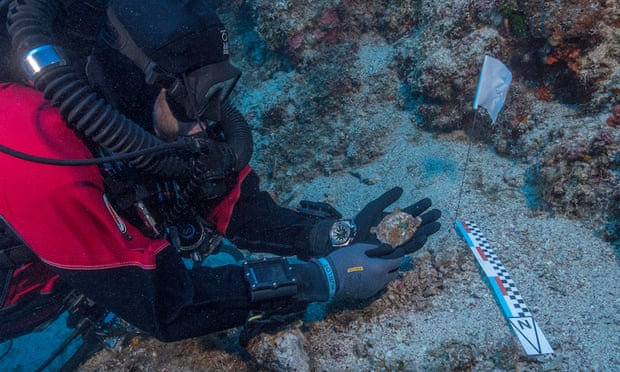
[[222, 213], [60, 211], [61, 214], [31, 277]]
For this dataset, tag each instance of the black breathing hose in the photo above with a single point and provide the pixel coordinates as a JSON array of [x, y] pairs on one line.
[[184, 144], [240, 144], [30, 26], [238, 136]]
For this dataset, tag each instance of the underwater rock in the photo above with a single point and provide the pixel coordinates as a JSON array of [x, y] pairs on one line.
[[578, 173], [302, 28], [283, 351], [453, 356]]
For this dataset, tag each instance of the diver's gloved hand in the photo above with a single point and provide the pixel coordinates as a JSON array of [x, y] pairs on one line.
[[372, 214], [328, 235], [351, 274], [347, 273]]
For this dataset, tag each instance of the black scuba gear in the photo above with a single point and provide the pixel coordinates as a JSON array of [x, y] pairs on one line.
[[192, 64], [30, 27], [201, 172], [92, 161]]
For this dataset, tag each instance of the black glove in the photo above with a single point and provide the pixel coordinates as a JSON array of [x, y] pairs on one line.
[[321, 239]]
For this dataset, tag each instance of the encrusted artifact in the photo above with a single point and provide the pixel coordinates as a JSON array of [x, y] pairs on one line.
[[396, 228]]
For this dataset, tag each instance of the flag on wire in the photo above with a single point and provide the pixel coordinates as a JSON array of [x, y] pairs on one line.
[[493, 85]]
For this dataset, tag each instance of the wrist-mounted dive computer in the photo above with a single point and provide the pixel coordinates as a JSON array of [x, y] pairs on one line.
[[270, 278]]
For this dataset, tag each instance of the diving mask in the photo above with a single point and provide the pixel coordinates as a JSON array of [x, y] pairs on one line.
[[203, 90], [187, 53]]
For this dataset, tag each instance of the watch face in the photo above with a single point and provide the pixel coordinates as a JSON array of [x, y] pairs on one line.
[[342, 233]]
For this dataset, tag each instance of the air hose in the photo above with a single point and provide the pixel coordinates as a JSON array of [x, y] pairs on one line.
[[208, 180], [30, 27], [30, 24], [238, 137]]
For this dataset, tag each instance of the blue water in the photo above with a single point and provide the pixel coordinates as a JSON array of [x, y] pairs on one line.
[[29, 352]]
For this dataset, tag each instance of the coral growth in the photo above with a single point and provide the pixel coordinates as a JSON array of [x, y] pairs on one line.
[[144, 353], [281, 351], [583, 39], [578, 173], [332, 70]]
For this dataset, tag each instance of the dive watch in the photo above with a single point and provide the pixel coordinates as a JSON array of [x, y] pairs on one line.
[[342, 233]]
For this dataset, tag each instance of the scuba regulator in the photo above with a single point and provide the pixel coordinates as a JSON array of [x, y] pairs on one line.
[[189, 56]]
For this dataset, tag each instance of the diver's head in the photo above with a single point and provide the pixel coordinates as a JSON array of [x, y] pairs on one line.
[[178, 45]]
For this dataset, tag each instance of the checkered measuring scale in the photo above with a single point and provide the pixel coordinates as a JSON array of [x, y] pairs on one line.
[[505, 291]]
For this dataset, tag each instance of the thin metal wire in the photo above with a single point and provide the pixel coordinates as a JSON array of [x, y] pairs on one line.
[[458, 199]]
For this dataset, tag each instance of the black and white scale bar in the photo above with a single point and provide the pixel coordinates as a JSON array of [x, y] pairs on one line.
[[504, 289]]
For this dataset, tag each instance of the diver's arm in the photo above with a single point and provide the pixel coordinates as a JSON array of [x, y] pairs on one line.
[[259, 224], [168, 302], [171, 303]]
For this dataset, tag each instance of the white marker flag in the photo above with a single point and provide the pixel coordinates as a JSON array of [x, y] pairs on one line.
[[493, 85]]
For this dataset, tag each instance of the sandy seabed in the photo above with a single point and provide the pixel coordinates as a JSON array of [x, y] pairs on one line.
[[442, 315], [567, 276]]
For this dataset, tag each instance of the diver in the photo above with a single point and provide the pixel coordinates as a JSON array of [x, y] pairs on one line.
[[126, 160]]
